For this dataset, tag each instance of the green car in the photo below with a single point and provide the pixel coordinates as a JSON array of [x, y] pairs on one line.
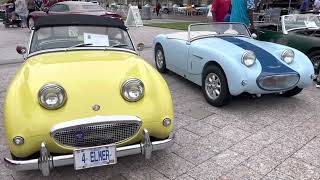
[[300, 31], [2, 14]]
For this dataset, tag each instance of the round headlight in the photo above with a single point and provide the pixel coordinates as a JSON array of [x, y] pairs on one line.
[[248, 58], [132, 90], [52, 96], [287, 56]]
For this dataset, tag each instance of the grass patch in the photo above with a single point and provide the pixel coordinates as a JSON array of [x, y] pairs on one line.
[[173, 25]]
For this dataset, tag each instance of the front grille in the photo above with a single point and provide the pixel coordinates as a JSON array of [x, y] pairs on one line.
[[89, 135], [278, 82]]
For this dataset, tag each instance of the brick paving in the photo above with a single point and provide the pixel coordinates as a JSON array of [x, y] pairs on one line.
[[266, 138]]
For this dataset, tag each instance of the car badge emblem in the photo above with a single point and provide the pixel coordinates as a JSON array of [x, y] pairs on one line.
[[96, 107], [79, 135]]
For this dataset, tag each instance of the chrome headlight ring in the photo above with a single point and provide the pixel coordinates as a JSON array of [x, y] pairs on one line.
[[248, 58], [52, 96], [287, 56], [132, 90]]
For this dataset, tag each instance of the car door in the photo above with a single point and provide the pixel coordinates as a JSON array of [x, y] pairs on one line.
[[176, 53], [59, 9], [302, 42], [271, 36]]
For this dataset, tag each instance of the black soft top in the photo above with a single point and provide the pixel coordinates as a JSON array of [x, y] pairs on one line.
[[78, 19]]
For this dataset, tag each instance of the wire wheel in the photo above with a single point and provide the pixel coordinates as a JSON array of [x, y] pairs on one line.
[[213, 86], [159, 59], [316, 63]]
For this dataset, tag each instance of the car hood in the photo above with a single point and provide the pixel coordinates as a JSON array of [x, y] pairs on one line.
[[90, 78], [235, 49], [83, 68], [268, 54]]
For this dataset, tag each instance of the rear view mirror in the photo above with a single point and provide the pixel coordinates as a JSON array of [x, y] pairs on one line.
[[46, 9], [21, 50], [254, 36]]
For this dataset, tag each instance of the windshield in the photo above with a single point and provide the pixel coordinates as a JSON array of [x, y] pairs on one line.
[[79, 36], [92, 6], [299, 21], [218, 29]]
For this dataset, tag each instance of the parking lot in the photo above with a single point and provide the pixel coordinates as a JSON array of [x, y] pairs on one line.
[[252, 138]]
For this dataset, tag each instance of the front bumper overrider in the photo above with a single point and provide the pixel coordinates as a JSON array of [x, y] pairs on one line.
[[45, 163]]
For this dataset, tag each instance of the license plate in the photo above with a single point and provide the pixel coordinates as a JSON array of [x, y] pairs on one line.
[[94, 156]]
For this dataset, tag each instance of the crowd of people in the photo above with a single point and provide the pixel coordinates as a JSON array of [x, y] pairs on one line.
[[22, 8], [242, 10], [234, 11]]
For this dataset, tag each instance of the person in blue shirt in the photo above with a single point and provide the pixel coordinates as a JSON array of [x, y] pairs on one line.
[[304, 6], [242, 12]]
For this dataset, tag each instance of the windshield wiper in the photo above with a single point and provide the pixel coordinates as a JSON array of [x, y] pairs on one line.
[[120, 45], [79, 45]]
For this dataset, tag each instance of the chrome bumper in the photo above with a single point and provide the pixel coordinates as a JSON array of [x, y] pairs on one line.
[[46, 163]]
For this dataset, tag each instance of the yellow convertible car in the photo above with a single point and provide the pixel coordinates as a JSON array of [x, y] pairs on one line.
[[84, 97]]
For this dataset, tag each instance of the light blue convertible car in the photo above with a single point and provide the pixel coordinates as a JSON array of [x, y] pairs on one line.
[[226, 61]]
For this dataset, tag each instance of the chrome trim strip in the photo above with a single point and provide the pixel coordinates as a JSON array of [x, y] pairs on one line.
[[64, 160], [132, 43], [192, 39], [30, 40], [81, 48], [93, 121], [197, 56], [214, 36]]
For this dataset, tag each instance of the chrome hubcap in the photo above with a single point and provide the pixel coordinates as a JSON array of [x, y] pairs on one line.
[[316, 62], [159, 59], [213, 86]]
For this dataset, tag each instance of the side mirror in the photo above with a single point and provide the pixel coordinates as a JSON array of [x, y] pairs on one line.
[[46, 10], [140, 47], [21, 50], [254, 36]]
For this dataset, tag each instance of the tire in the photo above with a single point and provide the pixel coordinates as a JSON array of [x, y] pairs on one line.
[[315, 59], [160, 59], [165, 11], [14, 157], [19, 24], [292, 92], [220, 85], [30, 23]]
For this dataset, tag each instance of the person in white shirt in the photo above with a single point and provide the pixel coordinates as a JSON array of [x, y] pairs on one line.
[[22, 11], [316, 6]]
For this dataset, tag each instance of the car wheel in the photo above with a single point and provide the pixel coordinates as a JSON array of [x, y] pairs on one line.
[[315, 59], [166, 11], [160, 59], [292, 92], [30, 23], [215, 86], [14, 157], [19, 24]]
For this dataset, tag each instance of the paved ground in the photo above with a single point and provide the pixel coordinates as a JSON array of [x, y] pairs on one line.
[[266, 138]]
